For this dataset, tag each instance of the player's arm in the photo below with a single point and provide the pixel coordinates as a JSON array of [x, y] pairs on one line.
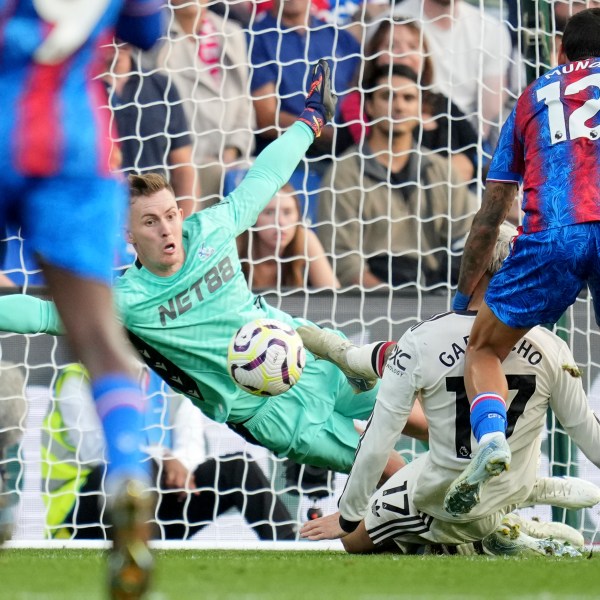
[[20, 313], [140, 23], [571, 407], [395, 400], [497, 201], [276, 163]]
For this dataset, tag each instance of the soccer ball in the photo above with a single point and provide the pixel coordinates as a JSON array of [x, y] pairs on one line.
[[266, 357]]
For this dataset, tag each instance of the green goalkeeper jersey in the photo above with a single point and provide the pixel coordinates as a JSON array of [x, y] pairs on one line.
[[182, 324]]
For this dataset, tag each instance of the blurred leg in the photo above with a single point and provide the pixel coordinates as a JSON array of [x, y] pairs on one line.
[[86, 309]]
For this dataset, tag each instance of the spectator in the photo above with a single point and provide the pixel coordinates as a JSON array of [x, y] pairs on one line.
[[280, 251], [563, 9], [13, 411], [207, 58], [192, 488], [470, 51], [353, 15], [444, 127], [390, 212], [152, 128], [283, 44]]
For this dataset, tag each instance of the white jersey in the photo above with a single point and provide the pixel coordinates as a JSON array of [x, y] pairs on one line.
[[429, 361]]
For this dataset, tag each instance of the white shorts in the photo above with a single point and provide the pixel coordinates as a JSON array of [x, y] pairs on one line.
[[393, 516]]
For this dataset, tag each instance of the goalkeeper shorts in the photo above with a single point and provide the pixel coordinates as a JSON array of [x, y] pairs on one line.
[[313, 423]]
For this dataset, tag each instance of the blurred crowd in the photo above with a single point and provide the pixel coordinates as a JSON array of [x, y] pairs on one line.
[[386, 195]]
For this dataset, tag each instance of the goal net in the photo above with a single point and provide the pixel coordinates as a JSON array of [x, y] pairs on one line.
[[228, 78]]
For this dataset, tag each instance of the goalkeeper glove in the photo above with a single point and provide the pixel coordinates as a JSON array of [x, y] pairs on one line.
[[460, 301], [320, 101]]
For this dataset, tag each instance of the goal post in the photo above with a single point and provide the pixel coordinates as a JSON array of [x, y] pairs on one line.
[[224, 73]]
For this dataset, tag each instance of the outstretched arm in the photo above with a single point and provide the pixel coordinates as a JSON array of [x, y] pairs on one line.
[[20, 313], [276, 163]]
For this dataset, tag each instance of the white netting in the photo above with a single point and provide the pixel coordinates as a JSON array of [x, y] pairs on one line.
[[221, 86]]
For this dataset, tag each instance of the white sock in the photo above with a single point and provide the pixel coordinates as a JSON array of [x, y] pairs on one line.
[[360, 359], [486, 437]]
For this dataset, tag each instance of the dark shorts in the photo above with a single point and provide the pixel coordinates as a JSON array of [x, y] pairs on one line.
[[545, 273]]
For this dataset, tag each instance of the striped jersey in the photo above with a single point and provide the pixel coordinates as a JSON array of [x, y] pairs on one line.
[[551, 143], [50, 56], [428, 361]]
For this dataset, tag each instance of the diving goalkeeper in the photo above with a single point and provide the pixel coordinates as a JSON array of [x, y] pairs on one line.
[[186, 296]]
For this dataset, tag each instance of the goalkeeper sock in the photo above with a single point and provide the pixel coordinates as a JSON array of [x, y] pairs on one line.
[[368, 360], [121, 405], [488, 414], [378, 359]]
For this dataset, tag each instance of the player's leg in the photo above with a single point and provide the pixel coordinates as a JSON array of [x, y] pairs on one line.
[[565, 492], [98, 341], [359, 363], [490, 342], [537, 282], [359, 542], [74, 236], [331, 346], [392, 516], [509, 539]]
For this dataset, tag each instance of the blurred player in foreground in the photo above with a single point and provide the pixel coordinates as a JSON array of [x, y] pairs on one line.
[[54, 159], [550, 144], [428, 362], [186, 296]]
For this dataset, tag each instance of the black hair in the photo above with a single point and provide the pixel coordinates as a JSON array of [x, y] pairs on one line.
[[581, 38], [371, 83]]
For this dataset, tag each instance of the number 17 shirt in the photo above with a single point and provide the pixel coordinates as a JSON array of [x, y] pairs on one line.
[[428, 362]]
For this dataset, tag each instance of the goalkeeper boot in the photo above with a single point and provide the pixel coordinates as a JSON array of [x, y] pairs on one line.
[[565, 492], [560, 532], [509, 540], [130, 562], [490, 460], [326, 344]]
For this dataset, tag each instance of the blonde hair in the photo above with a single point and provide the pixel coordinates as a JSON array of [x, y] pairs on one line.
[[502, 248], [147, 185]]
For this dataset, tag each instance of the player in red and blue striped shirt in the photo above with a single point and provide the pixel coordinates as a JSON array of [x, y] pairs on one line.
[[550, 144], [57, 186]]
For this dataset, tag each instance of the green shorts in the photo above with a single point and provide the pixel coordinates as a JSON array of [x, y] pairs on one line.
[[313, 423]]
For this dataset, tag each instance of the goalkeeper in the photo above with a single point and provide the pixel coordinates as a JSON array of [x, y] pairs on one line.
[[186, 296], [429, 361]]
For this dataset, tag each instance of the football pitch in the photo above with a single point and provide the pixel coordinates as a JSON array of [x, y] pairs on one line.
[[299, 575]]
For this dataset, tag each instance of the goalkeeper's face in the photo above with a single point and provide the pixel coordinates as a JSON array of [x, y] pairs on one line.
[[155, 231]]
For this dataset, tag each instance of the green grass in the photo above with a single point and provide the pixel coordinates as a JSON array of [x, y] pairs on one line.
[[266, 575]]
